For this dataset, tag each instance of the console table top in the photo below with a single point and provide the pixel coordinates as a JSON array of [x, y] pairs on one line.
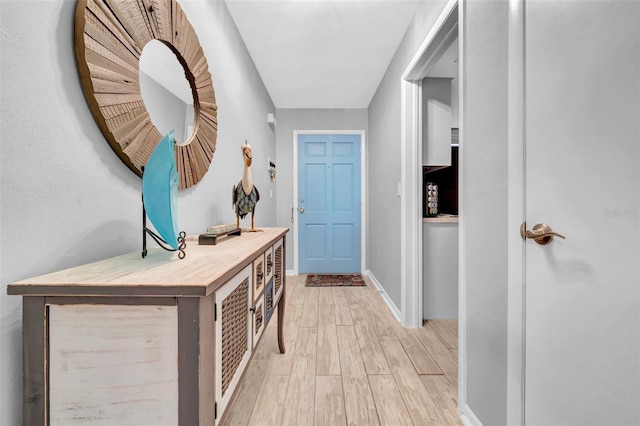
[[161, 273]]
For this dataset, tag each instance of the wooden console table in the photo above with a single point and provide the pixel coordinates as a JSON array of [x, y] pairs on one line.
[[154, 341]]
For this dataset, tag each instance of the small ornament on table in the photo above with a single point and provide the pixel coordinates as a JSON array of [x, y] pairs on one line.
[[245, 194]]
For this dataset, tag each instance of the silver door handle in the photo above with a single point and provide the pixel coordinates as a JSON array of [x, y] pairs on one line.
[[301, 209]]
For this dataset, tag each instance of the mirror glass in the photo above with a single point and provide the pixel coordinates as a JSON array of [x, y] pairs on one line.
[[166, 91]]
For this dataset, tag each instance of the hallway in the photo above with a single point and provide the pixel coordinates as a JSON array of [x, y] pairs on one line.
[[349, 361]]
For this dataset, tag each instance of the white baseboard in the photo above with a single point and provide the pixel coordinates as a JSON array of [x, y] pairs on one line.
[[468, 418], [291, 272], [392, 307]]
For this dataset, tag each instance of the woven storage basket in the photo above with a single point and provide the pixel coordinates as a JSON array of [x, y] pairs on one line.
[[278, 270], [234, 331], [259, 319]]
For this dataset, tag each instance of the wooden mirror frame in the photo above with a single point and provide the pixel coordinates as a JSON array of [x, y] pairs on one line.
[[109, 38]]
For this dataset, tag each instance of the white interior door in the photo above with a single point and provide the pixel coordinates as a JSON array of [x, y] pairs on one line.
[[582, 139]]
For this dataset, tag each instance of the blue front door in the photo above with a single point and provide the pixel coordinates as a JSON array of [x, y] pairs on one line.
[[329, 203]]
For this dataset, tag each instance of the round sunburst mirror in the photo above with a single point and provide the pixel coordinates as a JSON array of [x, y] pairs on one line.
[[110, 36]]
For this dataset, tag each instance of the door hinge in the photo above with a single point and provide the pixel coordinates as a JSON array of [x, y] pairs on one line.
[[215, 411]]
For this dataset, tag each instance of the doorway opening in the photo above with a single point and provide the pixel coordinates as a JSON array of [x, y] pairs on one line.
[[440, 187], [419, 160]]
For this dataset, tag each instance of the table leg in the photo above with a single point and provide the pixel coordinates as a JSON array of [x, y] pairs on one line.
[[281, 304], [34, 371]]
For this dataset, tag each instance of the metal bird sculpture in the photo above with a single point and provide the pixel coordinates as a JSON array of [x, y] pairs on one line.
[[245, 195]]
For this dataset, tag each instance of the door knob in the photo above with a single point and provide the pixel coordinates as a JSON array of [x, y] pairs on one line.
[[540, 233], [301, 209]]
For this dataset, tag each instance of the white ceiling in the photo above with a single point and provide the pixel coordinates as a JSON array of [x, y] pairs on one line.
[[322, 53]]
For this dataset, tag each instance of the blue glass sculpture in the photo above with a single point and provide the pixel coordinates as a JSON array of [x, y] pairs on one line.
[[160, 190]]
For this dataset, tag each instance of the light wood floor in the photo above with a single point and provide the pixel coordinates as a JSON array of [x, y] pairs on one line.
[[348, 361]]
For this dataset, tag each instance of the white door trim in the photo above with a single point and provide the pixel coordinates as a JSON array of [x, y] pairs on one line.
[[466, 414], [516, 215], [363, 191], [411, 196], [437, 41]]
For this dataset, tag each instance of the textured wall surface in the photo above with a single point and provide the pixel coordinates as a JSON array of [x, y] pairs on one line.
[[65, 197]]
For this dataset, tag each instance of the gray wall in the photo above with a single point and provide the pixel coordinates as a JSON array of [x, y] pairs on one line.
[[166, 109], [289, 120], [66, 198], [437, 88], [440, 270], [383, 245], [484, 150], [485, 153]]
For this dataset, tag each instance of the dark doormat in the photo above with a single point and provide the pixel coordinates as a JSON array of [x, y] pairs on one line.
[[331, 280]]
